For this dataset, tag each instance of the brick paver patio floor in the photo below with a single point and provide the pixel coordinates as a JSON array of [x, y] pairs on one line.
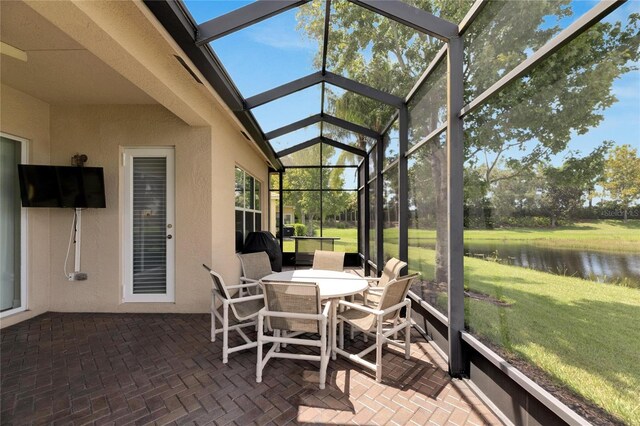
[[161, 368]]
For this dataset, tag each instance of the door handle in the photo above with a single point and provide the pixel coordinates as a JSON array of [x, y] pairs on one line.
[[169, 237]]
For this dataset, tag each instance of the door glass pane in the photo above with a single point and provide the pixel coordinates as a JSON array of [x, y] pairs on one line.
[[149, 223], [10, 291]]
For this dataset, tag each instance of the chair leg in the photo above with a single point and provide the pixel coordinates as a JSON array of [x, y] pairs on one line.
[[213, 317], [379, 342], [324, 359], [407, 340], [225, 334], [352, 333], [332, 323], [341, 327], [213, 327], [259, 357], [395, 323], [407, 331]]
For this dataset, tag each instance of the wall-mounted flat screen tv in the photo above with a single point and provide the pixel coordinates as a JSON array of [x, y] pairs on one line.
[[61, 186]]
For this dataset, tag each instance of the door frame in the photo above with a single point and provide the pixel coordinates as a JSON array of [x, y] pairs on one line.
[[24, 227], [127, 154]]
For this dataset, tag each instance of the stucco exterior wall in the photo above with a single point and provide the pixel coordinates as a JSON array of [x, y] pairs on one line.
[[101, 132], [208, 145], [26, 117], [230, 149]]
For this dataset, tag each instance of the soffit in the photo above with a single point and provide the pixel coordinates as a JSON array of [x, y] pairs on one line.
[[58, 70]]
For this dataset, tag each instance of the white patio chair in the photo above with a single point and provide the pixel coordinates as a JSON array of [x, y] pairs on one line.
[[255, 266], [245, 310], [328, 260], [293, 308], [391, 271], [383, 317]]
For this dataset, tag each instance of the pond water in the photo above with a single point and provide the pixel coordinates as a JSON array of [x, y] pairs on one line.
[[591, 265]]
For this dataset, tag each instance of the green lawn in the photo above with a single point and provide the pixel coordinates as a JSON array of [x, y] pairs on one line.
[[348, 241], [604, 235], [584, 335]]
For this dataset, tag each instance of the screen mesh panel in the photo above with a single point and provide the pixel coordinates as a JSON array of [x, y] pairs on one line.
[[149, 225]]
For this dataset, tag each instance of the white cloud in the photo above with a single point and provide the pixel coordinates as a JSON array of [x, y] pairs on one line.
[[280, 37]]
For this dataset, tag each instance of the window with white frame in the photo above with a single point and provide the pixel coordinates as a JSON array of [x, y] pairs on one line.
[[247, 206]]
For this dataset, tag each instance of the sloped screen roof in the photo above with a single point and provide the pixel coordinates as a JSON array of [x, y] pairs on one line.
[[292, 60]]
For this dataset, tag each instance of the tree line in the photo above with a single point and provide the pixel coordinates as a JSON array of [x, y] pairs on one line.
[[609, 175]]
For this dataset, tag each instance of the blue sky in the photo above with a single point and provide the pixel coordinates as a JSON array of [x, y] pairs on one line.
[[272, 52]]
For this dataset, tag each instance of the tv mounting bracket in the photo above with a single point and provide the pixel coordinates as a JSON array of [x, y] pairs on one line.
[[78, 160]]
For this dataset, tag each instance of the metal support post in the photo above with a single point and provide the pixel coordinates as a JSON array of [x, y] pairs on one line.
[[281, 207], [403, 187], [367, 216], [455, 188], [379, 206]]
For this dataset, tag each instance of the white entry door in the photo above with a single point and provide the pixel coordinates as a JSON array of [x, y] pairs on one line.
[[149, 225]]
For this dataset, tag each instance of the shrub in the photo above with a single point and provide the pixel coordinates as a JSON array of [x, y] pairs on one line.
[[300, 229], [525, 222]]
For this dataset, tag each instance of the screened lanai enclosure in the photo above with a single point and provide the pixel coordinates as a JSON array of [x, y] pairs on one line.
[[457, 136]]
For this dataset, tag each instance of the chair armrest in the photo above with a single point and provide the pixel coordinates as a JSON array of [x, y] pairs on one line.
[[246, 299], [252, 284], [325, 311], [248, 280], [266, 313], [396, 307], [372, 282], [360, 307]]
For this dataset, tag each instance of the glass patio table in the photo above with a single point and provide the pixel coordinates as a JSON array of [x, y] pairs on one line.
[[333, 285]]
